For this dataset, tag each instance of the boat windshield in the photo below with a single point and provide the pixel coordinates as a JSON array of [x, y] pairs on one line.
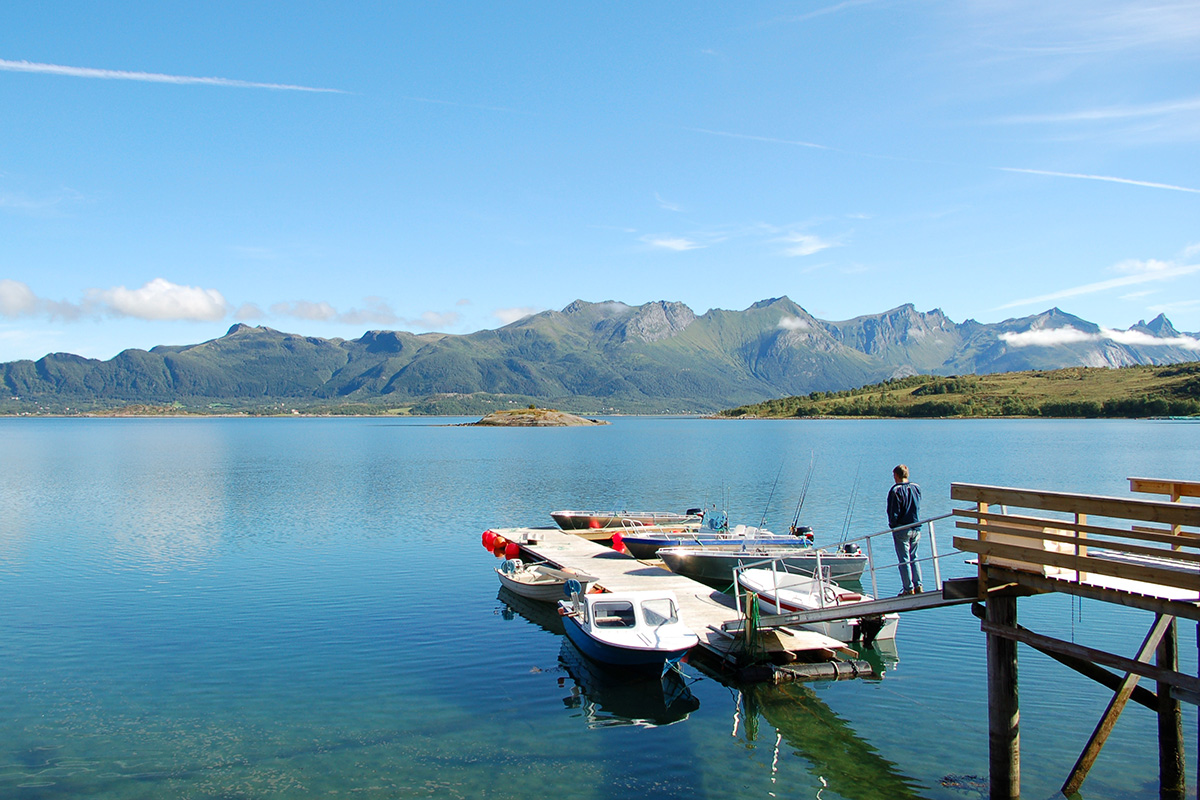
[[613, 614], [659, 611]]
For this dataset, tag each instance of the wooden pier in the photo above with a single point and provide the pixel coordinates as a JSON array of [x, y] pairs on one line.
[[1138, 553], [705, 610]]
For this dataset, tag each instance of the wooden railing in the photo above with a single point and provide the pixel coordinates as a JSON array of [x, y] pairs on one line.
[[1156, 543]]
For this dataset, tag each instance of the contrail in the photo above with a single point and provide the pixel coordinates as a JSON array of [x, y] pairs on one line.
[[148, 77], [1108, 178]]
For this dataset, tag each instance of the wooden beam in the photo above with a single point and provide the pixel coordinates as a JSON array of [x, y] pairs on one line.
[[1033, 582], [1172, 783], [1115, 507], [1121, 547], [1188, 682], [1141, 533], [1174, 489], [1004, 711], [1109, 680], [1115, 706], [1176, 579]]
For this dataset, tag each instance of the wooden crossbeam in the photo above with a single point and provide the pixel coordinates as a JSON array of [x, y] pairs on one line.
[[1109, 680], [1174, 489], [1140, 533], [1164, 513], [1187, 682], [1037, 583], [1069, 561], [1123, 547], [1109, 718]]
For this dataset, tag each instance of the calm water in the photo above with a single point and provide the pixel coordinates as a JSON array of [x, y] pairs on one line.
[[301, 608]]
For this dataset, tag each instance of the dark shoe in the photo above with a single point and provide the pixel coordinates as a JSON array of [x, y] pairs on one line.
[[917, 589], [904, 593]]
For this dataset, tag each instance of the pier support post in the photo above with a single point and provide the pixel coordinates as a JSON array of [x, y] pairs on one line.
[[1004, 715], [1171, 773]]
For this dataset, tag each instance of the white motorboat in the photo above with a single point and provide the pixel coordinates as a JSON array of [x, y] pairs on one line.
[[628, 629], [783, 592]]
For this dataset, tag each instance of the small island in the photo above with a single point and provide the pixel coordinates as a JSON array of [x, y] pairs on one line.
[[535, 418]]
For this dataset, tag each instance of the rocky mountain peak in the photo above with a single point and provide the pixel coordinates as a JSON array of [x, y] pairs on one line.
[[653, 322]]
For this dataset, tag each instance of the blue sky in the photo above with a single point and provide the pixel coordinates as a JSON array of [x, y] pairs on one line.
[[168, 169]]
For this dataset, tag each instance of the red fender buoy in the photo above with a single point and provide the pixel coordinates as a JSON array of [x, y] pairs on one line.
[[512, 550]]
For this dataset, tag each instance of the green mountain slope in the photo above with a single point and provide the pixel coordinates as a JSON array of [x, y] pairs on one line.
[[588, 357]]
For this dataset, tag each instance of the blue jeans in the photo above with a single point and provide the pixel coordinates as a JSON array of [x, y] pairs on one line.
[[906, 553]]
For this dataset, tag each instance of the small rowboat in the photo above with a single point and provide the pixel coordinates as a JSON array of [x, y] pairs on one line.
[[539, 581], [604, 520], [716, 563]]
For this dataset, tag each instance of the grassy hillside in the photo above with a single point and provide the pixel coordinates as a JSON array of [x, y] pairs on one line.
[[1143, 391]]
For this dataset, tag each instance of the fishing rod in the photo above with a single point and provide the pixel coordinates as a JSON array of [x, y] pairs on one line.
[[763, 521], [850, 504], [812, 461]]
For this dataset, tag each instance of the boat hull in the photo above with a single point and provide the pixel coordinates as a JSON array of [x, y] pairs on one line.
[[616, 520], [541, 583], [795, 593], [619, 656], [716, 564]]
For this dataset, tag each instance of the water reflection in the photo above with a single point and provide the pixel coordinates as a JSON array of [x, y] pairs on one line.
[[882, 655], [848, 764], [609, 697], [543, 615]]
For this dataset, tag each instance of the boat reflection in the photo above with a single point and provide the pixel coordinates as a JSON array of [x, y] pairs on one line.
[[882, 655], [608, 697], [543, 615], [848, 764]]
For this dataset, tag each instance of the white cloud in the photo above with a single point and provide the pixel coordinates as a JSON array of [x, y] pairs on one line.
[[159, 300], [1047, 337], [253, 253], [507, 316], [803, 244], [377, 312], [1106, 178], [1110, 113], [677, 244], [148, 77], [433, 320], [1050, 337], [768, 139], [1167, 308], [303, 309], [1089, 28], [16, 299], [663, 204], [248, 311], [1139, 272], [794, 324]]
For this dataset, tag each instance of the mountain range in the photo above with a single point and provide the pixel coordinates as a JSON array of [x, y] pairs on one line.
[[589, 357]]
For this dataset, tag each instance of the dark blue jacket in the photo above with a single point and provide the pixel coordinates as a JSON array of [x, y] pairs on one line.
[[903, 505]]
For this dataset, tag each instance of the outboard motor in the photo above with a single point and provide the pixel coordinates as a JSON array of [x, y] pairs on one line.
[[851, 548], [803, 531]]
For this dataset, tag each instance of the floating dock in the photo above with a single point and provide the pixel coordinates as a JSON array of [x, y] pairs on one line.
[[706, 611]]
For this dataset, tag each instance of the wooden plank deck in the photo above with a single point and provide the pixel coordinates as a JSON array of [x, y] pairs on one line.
[[705, 610]]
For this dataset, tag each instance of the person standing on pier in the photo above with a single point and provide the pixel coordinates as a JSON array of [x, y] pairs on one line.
[[903, 510]]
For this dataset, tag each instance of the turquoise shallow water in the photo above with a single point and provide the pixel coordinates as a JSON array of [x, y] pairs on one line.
[[235, 608]]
